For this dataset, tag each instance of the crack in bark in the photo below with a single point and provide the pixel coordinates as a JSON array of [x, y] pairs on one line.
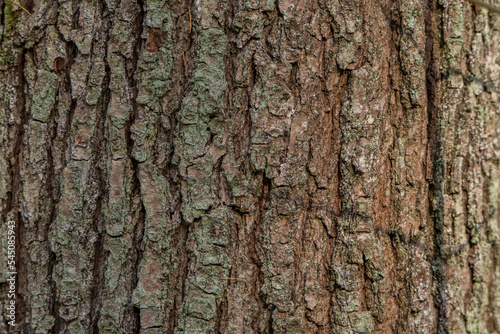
[[100, 257], [139, 227], [13, 201], [436, 186], [263, 198]]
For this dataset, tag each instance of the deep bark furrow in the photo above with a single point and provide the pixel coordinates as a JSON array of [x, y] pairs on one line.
[[435, 149], [15, 203]]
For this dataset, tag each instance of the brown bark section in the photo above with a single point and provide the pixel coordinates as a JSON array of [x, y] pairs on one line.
[[251, 166]]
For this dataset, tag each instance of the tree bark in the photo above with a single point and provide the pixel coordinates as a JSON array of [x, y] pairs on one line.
[[245, 166]]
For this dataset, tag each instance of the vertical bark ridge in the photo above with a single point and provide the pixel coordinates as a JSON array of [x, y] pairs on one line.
[[66, 112]]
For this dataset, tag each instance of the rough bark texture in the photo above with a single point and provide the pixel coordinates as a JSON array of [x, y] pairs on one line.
[[252, 166]]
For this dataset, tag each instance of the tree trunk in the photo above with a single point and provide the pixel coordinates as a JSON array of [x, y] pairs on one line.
[[245, 166]]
